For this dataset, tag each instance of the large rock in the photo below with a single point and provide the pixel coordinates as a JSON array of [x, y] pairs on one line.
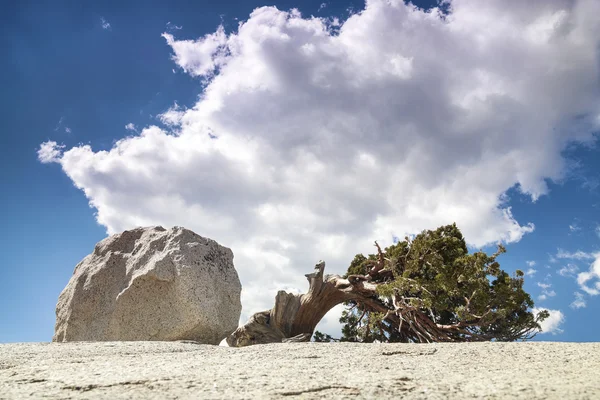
[[151, 284]]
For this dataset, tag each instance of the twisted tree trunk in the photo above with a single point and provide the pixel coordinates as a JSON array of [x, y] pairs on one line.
[[295, 316]]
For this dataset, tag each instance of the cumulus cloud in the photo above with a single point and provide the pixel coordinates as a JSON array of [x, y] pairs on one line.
[[577, 255], [579, 301], [568, 270], [553, 322], [131, 127], [589, 281], [312, 138], [50, 152], [530, 271], [546, 292], [172, 117], [200, 57], [330, 323], [544, 285]]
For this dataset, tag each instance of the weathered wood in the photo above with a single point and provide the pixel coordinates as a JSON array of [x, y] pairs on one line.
[[295, 316]]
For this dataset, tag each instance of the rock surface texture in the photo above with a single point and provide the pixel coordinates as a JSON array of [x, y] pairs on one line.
[[151, 284], [172, 370]]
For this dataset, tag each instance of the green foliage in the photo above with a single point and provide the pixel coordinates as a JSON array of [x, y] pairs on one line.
[[350, 328], [357, 266], [435, 275], [323, 337]]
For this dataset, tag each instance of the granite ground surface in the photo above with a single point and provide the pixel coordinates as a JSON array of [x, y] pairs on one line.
[[187, 370]]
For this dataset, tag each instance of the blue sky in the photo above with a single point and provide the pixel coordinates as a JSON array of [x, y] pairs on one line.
[[322, 139]]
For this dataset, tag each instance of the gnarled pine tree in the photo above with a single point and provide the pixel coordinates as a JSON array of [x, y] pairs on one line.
[[428, 289]]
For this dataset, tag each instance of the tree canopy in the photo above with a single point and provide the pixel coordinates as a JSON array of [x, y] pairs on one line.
[[425, 289], [434, 290]]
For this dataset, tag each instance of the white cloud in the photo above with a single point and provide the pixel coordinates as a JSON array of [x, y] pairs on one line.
[[544, 285], [579, 301], [396, 121], [173, 27], [553, 322], [589, 281], [131, 127], [598, 231], [200, 57], [577, 255], [545, 291], [330, 323], [105, 23], [574, 227], [530, 272], [568, 270], [59, 124], [172, 117], [322, 6], [50, 152], [530, 263]]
